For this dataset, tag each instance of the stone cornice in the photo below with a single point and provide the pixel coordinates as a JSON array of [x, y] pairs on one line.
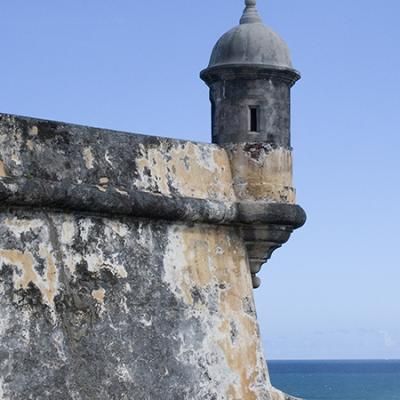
[[63, 195], [249, 72]]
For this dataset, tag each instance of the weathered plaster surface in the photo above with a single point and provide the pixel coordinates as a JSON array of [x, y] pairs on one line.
[[3, 172], [262, 172], [197, 173], [210, 274], [100, 308], [104, 158], [124, 263]]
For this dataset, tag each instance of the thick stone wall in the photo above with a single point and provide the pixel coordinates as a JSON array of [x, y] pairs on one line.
[[99, 308], [123, 269]]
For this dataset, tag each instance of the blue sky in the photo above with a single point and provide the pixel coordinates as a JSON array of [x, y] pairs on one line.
[[333, 290]]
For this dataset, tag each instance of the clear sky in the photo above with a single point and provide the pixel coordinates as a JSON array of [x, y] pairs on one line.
[[334, 290]]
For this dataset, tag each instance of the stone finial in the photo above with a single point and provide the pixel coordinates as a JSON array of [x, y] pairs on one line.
[[250, 14]]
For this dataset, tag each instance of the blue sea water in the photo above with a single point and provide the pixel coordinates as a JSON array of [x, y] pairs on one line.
[[338, 380]]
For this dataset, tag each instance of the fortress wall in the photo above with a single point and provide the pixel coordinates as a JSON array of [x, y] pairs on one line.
[[122, 308], [73, 154], [101, 297]]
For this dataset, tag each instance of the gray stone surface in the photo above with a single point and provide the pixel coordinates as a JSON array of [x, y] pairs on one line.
[[251, 42], [89, 311], [232, 96], [121, 278], [250, 67]]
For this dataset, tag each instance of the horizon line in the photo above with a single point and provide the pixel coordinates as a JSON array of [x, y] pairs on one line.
[[333, 359]]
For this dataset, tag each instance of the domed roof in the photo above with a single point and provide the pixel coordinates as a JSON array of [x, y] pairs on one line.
[[251, 43]]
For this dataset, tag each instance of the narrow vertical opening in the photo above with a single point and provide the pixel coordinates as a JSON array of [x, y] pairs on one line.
[[254, 111], [213, 127]]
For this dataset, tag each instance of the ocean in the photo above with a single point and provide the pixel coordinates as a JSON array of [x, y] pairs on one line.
[[337, 380]]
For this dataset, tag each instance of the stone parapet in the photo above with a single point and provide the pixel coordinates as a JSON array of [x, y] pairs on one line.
[[125, 267], [76, 168]]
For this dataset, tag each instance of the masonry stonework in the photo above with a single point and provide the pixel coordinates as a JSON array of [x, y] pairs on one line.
[[127, 262]]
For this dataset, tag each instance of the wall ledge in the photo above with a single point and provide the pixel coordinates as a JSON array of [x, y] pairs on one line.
[[97, 199]]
